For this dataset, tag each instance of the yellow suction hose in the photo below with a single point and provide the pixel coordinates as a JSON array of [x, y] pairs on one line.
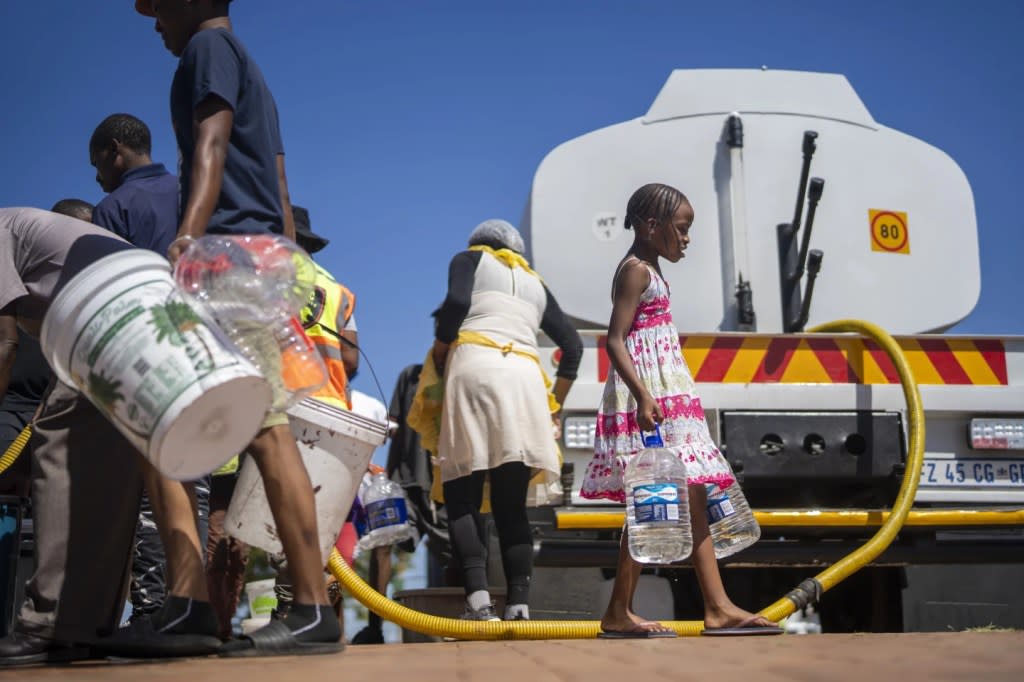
[[810, 590], [807, 592], [15, 448]]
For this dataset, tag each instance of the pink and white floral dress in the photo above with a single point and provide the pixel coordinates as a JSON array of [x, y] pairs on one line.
[[653, 345]]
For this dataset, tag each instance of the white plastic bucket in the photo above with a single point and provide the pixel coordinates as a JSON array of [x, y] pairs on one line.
[[261, 596], [262, 601], [167, 378], [336, 446]]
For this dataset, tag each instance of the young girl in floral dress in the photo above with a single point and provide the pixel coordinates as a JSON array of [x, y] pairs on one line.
[[649, 384]]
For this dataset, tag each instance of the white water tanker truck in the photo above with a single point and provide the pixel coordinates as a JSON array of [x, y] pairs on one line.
[[807, 210]]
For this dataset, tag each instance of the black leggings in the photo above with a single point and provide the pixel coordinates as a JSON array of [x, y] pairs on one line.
[[462, 499]]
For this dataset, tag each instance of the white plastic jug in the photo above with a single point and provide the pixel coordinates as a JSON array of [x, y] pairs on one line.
[[657, 504]]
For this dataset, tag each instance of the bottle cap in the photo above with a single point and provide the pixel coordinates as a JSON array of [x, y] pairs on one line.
[[654, 440]]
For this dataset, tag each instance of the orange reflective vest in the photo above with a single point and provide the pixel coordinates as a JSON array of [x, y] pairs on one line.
[[324, 318]]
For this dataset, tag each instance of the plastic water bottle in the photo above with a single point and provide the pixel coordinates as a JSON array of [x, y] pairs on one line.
[[302, 368], [358, 517], [254, 287], [386, 514], [657, 505], [254, 277], [732, 524]]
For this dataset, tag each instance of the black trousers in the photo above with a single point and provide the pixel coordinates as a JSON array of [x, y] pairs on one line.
[[463, 497], [149, 585]]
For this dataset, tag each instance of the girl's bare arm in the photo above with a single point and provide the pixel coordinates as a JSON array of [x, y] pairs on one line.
[[632, 280]]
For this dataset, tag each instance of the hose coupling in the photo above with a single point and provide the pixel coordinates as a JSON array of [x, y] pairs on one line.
[[807, 592]]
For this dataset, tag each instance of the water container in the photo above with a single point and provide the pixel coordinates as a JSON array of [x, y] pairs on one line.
[[336, 447], [386, 514], [657, 505], [358, 518], [267, 274], [732, 524], [158, 368], [254, 287]]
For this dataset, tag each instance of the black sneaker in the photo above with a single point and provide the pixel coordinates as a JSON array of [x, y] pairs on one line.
[[182, 627]]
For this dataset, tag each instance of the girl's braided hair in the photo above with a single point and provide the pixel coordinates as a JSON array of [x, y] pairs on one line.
[[653, 200]]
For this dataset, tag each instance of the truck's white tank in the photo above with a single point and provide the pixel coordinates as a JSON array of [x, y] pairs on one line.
[[573, 221]]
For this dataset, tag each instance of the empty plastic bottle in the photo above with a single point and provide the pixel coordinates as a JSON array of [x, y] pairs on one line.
[[732, 524], [386, 514], [280, 347], [657, 505], [302, 368], [253, 287], [248, 276]]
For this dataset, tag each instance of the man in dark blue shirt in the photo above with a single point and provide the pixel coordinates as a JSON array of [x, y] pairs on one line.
[[141, 207], [215, 67], [226, 124], [142, 204], [233, 180]]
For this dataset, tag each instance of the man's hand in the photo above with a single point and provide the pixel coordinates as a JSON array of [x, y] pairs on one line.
[[178, 247]]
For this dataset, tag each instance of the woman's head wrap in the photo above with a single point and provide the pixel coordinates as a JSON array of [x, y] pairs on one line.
[[498, 234]]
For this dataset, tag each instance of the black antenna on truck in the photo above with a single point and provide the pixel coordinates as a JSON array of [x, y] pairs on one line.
[[746, 319], [796, 307], [813, 266], [813, 197], [809, 147]]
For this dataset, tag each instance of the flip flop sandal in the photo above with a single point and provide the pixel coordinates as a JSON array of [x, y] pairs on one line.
[[275, 639], [637, 634], [746, 628]]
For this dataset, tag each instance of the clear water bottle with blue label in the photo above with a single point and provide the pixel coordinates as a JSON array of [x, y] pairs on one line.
[[387, 517], [657, 505], [732, 524]]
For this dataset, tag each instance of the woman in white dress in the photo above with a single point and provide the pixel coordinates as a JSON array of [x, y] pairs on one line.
[[498, 419]]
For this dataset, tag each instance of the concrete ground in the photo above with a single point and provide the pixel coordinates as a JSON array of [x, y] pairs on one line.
[[967, 656]]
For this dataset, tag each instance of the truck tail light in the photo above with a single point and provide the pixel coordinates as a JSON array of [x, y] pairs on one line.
[[579, 432], [997, 434]]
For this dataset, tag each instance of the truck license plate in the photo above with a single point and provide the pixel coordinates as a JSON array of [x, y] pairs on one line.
[[995, 473]]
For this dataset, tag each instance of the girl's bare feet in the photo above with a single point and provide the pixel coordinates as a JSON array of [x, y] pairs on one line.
[[733, 616], [630, 622]]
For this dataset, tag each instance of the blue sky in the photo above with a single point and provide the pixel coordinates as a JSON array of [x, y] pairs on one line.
[[407, 123]]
